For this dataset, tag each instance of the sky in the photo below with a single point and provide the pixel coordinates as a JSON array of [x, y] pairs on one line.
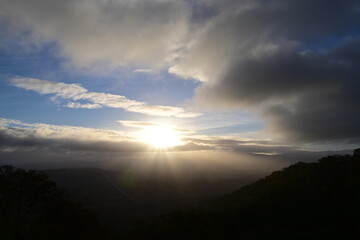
[[122, 79]]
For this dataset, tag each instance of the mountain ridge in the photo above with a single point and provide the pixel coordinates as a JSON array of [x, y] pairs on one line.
[[302, 201]]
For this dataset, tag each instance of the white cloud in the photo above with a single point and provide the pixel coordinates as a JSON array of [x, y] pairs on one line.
[[79, 105], [48, 87], [137, 124], [145, 70], [164, 111], [77, 94], [104, 34], [20, 129], [144, 125]]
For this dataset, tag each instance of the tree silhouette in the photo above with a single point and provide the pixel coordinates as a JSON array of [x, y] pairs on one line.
[[32, 207]]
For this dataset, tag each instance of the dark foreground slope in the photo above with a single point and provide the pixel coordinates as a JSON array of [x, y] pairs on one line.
[[304, 201], [121, 198], [32, 207]]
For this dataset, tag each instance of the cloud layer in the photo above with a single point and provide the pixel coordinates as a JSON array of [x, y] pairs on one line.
[[16, 135], [48, 146], [79, 97], [297, 62], [19, 136], [110, 33]]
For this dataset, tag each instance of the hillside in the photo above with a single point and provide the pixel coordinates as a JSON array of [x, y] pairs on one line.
[[122, 198], [33, 207], [304, 201]]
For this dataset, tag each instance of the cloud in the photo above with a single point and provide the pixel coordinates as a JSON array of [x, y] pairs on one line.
[[298, 66], [47, 137], [250, 146], [75, 93], [104, 34], [39, 136], [138, 124], [144, 125], [19, 136], [47, 146], [79, 105], [48, 87], [294, 61], [143, 70]]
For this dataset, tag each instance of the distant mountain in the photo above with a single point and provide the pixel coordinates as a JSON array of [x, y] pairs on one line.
[[304, 201], [122, 198]]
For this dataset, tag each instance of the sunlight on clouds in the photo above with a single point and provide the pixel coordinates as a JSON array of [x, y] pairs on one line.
[[160, 136], [147, 138]]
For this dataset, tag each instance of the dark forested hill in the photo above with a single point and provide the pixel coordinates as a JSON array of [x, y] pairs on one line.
[[121, 198], [32, 207], [304, 201]]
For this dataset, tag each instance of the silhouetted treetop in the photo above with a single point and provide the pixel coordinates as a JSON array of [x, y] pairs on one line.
[[32, 207]]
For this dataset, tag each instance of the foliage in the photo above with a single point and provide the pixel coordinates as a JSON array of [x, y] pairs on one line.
[[32, 207]]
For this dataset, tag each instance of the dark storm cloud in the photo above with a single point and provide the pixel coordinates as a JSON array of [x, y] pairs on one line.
[[297, 62], [305, 96]]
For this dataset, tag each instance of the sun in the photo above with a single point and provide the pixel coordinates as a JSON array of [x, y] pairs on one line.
[[160, 136]]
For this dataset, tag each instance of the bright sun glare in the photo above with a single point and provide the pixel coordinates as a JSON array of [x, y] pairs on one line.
[[160, 136]]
